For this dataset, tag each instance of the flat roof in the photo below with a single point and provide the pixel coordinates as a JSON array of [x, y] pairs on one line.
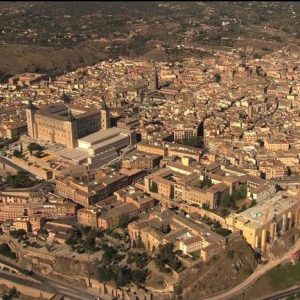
[[101, 135], [109, 141], [73, 154], [264, 211]]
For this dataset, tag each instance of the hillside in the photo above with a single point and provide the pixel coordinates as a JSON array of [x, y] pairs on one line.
[[228, 269], [59, 36]]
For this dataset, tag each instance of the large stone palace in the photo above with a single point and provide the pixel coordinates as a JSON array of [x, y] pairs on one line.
[[65, 124]]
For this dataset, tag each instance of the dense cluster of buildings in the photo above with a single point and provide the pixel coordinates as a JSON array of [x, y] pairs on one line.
[[125, 140]]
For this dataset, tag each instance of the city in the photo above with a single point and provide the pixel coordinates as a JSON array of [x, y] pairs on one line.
[[136, 178]]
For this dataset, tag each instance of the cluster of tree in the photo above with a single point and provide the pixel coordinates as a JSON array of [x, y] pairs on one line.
[[34, 147], [17, 154], [19, 234], [21, 180], [167, 257], [208, 221], [227, 202], [205, 183], [192, 142], [5, 251], [222, 231], [217, 77], [141, 259], [83, 239], [43, 231], [6, 142], [244, 207], [122, 276], [11, 294], [110, 255], [138, 44], [115, 234], [257, 55], [165, 228]]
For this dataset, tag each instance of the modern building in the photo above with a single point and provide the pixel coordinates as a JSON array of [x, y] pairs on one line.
[[99, 148]]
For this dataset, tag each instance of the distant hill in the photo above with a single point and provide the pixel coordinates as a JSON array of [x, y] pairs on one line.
[[58, 36]]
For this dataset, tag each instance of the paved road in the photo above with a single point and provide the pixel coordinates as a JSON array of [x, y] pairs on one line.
[[282, 294], [254, 276], [72, 292]]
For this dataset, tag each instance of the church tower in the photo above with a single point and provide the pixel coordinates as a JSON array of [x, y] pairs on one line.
[[250, 110], [154, 79], [105, 115], [30, 111]]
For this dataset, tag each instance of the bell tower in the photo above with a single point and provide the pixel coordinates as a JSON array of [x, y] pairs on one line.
[[105, 115], [30, 111], [154, 78]]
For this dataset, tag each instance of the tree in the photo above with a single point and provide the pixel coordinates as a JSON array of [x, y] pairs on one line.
[[14, 293], [89, 244], [66, 98], [178, 289], [74, 236], [5, 251], [165, 228], [17, 154], [18, 234], [166, 256], [124, 220], [192, 142], [225, 200], [257, 55], [138, 276], [123, 277], [217, 78], [34, 147], [104, 274], [230, 254], [21, 180]]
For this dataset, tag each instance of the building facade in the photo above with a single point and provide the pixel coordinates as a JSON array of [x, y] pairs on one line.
[[65, 125]]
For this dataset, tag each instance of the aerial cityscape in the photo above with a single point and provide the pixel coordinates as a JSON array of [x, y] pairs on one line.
[[150, 150]]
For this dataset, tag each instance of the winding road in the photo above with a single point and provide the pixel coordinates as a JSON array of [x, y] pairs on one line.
[[260, 271]]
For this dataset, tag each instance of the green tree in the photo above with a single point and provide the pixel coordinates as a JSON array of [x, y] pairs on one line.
[[5, 251], [104, 274], [178, 289], [166, 256], [34, 147], [257, 55], [17, 154], [89, 244], [124, 220], [123, 277], [217, 78], [138, 276], [192, 142], [74, 236]]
